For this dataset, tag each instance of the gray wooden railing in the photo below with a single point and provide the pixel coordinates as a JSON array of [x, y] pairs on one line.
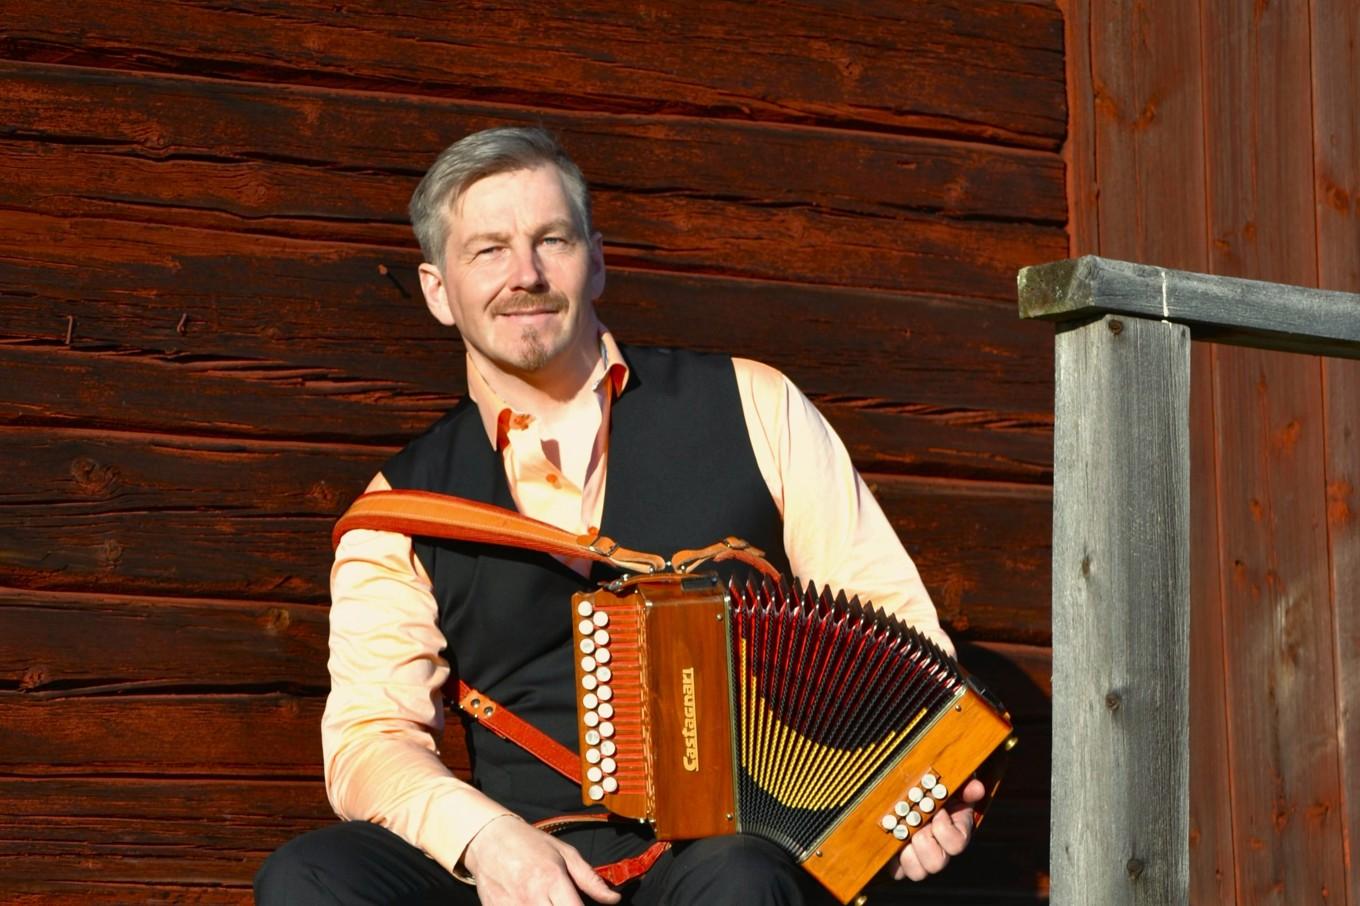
[[1121, 540]]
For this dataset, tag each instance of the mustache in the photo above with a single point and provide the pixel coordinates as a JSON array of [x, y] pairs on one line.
[[525, 302]]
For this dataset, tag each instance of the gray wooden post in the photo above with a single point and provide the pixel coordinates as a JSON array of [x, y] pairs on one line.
[[1121, 615], [1121, 569]]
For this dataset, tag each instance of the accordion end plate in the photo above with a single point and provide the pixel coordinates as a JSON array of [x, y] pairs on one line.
[[951, 749]]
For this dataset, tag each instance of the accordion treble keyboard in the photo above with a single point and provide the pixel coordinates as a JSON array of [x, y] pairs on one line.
[[823, 725]]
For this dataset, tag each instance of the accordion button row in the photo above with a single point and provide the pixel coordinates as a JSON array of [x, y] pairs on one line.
[[920, 801]]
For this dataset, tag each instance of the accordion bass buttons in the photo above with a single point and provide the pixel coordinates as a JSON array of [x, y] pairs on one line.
[[585, 608], [939, 792], [915, 794]]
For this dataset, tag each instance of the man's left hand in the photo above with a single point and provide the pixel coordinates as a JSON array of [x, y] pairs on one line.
[[944, 837]]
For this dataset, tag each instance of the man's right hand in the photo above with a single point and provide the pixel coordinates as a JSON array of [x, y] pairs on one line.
[[515, 862]]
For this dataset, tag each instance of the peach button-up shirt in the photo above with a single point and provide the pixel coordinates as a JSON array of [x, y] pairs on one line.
[[385, 711]]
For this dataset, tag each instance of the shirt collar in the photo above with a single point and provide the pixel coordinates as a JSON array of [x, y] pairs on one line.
[[498, 419]]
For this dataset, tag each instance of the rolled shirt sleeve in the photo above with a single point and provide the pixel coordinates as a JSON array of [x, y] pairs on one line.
[[835, 533], [385, 710]]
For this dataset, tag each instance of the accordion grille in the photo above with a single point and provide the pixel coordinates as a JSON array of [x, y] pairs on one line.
[[830, 693]]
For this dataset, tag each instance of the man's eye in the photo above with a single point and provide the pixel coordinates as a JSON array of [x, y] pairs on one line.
[[554, 240], [484, 252]]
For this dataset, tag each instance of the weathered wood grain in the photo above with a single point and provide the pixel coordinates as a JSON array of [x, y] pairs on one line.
[[970, 388], [984, 577], [1341, 390], [74, 641], [1224, 309], [265, 736], [1278, 631], [1335, 58], [977, 68], [1262, 222], [165, 515], [1212, 878], [1148, 123], [96, 840], [280, 143], [1121, 590]]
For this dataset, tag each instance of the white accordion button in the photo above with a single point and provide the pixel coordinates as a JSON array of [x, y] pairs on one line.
[[593, 756], [601, 636], [589, 681], [902, 808], [929, 781], [606, 729], [608, 748], [590, 719], [590, 702], [593, 774], [602, 655], [914, 819], [606, 710], [608, 766], [585, 627], [915, 794], [603, 674], [601, 618], [610, 785], [888, 822], [588, 664], [587, 646], [585, 608], [901, 832], [604, 692], [927, 805], [596, 792], [593, 738], [940, 792]]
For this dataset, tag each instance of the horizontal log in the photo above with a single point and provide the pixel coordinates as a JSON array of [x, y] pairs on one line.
[[983, 550], [87, 836], [979, 68], [271, 735], [226, 518], [822, 208], [73, 641], [914, 383]]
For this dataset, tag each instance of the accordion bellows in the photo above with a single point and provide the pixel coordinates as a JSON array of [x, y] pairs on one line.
[[824, 725]]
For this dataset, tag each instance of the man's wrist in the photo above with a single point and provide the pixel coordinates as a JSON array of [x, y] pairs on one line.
[[465, 870]]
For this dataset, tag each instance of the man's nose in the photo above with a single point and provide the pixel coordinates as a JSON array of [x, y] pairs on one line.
[[526, 270]]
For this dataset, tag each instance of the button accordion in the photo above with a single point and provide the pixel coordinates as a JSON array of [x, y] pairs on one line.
[[824, 725]]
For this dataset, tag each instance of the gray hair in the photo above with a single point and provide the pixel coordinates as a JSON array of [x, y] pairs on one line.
[[478, 156]]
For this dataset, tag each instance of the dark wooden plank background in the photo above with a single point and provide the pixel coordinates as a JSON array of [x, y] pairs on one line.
[[211, 335], [1223, 138]]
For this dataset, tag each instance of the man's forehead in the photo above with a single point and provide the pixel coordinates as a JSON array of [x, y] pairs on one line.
[[506, 190]]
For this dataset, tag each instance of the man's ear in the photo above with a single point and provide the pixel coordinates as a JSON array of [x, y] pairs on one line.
[[436, 294], [596, 266]]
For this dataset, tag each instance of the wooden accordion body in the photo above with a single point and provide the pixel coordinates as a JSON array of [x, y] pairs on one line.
[[825, 726]]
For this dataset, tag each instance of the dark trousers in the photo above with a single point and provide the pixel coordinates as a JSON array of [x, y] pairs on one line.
[[360, 864]]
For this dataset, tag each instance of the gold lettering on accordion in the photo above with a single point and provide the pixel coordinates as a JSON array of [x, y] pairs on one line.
[[690, 729]]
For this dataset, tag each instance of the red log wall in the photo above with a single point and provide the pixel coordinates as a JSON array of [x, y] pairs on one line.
[[210, 337]]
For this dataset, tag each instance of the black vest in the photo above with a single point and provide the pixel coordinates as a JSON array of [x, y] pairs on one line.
[[681, 475]]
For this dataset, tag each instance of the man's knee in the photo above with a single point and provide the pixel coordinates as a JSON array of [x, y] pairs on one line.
[[353, 862], [290, 873], [739, 869]]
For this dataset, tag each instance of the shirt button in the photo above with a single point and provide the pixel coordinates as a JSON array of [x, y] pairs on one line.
[[553, 479]]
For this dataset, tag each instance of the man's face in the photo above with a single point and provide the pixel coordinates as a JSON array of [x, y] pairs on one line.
[[519, 278]]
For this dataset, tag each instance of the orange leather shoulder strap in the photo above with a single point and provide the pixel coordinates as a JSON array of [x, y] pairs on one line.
[[446, 516]]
